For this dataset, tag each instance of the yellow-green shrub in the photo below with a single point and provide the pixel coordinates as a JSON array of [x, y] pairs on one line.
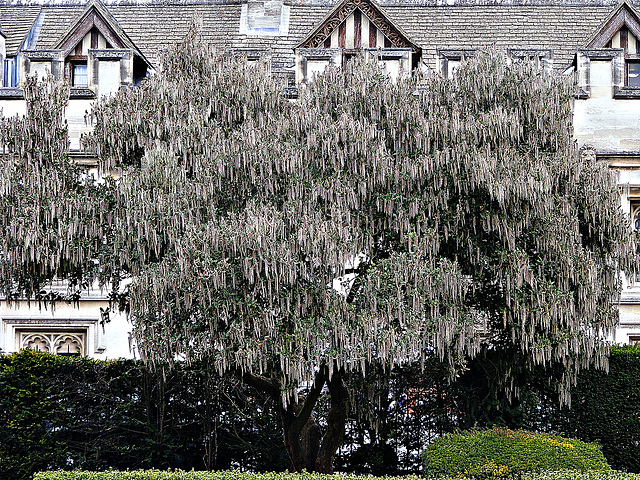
[[501, 453]]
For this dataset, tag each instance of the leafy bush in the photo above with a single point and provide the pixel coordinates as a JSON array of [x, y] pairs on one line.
[[28, 413], [499, 453], [577, 475]]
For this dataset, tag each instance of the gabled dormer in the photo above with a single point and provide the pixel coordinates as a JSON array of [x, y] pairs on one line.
[[351, 27], [618, 40], [606, 110], [98, 54]]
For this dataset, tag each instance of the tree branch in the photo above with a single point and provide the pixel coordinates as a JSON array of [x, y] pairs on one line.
[[312, 398], [271, 386]]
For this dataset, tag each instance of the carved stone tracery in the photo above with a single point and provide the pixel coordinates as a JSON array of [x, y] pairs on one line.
[[374, 15], [36, 342], [60, 343]]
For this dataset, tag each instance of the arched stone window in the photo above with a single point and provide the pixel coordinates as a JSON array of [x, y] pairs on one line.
[[60, 343]]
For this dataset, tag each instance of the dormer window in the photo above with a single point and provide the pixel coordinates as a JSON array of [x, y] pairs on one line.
[[351, 29], [77, 70], [633, 73], [541, 59], [628, 42], [450, 61], [79, 74], [618, 43]]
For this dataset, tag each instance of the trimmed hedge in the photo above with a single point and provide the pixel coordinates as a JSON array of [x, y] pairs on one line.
[[498, 453], [60, 413], [192, 475], [64, 413], [577, 475], [235, 475]]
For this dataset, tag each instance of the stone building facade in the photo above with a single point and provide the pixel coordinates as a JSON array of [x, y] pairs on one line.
[[102, 47]]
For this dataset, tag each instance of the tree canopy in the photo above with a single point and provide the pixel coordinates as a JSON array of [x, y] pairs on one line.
[[369, 221]]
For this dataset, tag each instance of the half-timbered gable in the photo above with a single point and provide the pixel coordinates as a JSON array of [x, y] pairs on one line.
[[352, 27]]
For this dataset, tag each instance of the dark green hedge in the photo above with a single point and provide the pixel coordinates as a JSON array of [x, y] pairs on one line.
[[62, 413], [605, 406], [606, 409], [500, 452]]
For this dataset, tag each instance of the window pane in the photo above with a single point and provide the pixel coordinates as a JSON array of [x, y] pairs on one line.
[[634, 74], [452, 66], [10, 74], [80, 76]]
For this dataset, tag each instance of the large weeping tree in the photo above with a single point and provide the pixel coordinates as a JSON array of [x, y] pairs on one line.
[[290, 242]]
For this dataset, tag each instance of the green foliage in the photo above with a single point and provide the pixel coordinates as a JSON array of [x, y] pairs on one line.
[[28, 411], [182, 475], [580, 475], [606, 409], [61, 413], [109, 414], [605, 406], [236, 475], [500, 453]]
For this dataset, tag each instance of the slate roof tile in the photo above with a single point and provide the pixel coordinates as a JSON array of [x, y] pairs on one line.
[[16, 21], [560, 25]]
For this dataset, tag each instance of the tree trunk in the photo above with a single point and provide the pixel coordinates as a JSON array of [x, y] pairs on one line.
[[302, 444], [307, 448], [336, 421]]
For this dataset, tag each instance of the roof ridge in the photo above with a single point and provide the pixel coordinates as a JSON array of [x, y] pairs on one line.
[[109, 3], [320, 3]]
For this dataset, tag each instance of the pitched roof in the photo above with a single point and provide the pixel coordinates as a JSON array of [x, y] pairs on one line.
[[16, 22], [624, 14], [558, 27], [154, 27], [96, 14], [57, 20], [562, 26]]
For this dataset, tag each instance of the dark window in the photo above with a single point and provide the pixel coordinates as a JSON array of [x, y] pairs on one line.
[[633, 73], [10, 73], [634, 340], [80, 78]]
